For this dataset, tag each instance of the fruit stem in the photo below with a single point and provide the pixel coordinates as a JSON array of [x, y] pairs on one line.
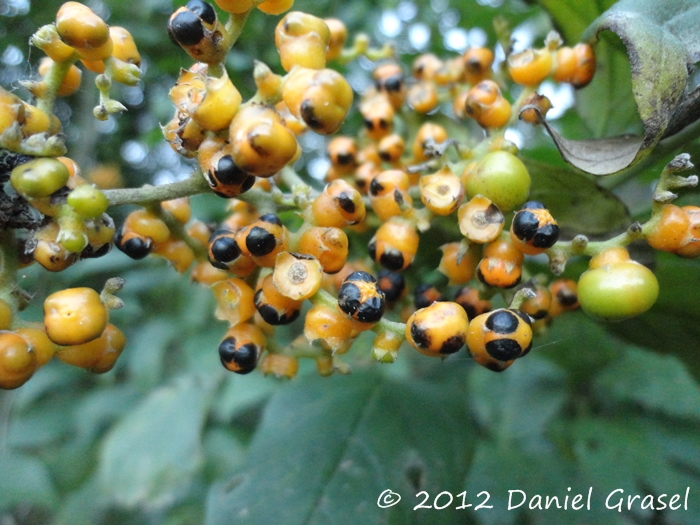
[[53, 79], [146, 195]]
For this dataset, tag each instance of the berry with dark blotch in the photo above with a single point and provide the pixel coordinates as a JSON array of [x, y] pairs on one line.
[[564, 294], [394, 245], [273, 307], [203, 10], [425, 295], [468, 298], [241, 347], [392, 285], [133, 245], [538, 306], [503, 338], [438, 330], [223, 249], [185, 28], [360, 298], [495, 339], [533, 229], [267, 235]]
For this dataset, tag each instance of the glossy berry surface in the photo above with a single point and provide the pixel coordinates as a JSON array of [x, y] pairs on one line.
[[361, 298], [74, 316], [501, 177], [533, 229], [438, 330], [617, 291]]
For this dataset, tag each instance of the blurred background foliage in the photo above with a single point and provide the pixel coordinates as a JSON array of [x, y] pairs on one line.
[[168, 437]]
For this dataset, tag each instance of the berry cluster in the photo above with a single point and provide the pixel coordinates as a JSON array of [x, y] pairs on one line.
[[339, 267]]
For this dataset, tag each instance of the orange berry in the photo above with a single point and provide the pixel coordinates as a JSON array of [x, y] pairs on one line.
[[441, 192], [329, 327], [339, 34], [564, 296], [74, 316], [669, 232], [241, 347], [423, 97], [477, 64], [17, 360], [530, 67], [438, 330], [459, 262], [328, 245], [71, 81], [501, 265], [98, 355], [394, 245], [275, 7], [279, 365]]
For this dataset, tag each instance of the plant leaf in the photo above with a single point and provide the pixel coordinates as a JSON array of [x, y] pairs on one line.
[[573, 16], [518, 404], [577, 202], [655, 382], [136, 464], [662, 44], [643, 463], [326, 450], [24, 479], [673, 323]]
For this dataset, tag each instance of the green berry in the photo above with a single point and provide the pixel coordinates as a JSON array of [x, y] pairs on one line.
[[617, 291], [39, 177], [73, 240], [501, 177], [88, 201]]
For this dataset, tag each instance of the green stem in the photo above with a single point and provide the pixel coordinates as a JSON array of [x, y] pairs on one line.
[[515, 115], [234, 27], [53, 79], [560, 253], [396, 328], [322, 297], [291, 179], [146, 195]]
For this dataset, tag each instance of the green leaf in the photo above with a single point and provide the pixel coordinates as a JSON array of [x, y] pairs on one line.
[[328, 448], [99, 408], [662, 43], [150, 456], [572, 17], [500, 471], [24, 480], [627, 453], [577, 202], [80, 507], [654, 382], [147, 350], [579, 345], [520, 402], [673, 323]]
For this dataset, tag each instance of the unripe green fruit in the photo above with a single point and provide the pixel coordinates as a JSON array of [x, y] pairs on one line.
[[88, 201], [39, 177], [73, 241], [617, 291], [501, 177]]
